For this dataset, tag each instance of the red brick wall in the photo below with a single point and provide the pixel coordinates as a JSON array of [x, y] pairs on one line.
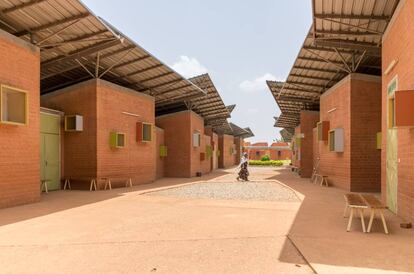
[[159, 160], [315, 146], [238, 144], [137, 160], [88, 154], [177, 128], [80, 148], [19, 145], [398, 44], [365, 124], [295, 149], [197, 125], [357, 111], [308, 120], [206, 164], [225, 143], [215, 149], [183, 159]]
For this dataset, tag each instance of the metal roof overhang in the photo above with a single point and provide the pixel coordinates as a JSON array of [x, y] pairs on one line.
[[345, 38], [76, 45]]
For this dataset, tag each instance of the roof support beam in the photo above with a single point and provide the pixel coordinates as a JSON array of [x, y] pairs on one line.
[[343, 60], [315, 69], [296, 99], [136, 60], [22, 6], [352, 16], [167, 102], [81, 53], [52, 24], [309, 77], [347, 33], [304, 84], [345, 44], [327, 60], [72, 67], [353, 26], [141, 71]]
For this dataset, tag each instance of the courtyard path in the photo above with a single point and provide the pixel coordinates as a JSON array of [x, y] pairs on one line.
[[126, 232]]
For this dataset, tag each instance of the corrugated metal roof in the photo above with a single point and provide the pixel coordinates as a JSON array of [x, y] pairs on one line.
[[211, 107], [76, 45], [345, 37]]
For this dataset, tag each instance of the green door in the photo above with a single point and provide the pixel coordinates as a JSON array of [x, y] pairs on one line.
[[391, 150], [50, 149]]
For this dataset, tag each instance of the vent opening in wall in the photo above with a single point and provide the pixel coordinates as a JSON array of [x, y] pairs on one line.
[[13, 106], [117, 140], [73, 123]]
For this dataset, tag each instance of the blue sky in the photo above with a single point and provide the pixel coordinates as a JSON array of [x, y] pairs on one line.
[[239, 43]]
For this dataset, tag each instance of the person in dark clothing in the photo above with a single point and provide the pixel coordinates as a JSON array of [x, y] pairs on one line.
[[244, 172]]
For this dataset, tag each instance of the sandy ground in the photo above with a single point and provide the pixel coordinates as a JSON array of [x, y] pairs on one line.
[[123, 231]]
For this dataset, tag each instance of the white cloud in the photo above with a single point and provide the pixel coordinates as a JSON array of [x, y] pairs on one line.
[[189, 67], [257, 84]]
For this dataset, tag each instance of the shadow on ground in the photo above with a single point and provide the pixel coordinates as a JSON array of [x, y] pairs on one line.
[[319, 232], [56, 201]]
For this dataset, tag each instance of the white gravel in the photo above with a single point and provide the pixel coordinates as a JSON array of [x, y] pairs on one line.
[[252, 191]]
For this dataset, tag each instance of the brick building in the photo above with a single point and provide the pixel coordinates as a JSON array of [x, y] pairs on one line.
[[397, 164], [19, 131], [350, 116], [89, 154]]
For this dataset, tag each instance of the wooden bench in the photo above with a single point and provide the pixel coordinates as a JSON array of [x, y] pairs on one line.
[[108, 182], [375, 206], [360, 202], [92, 185], [354, 202]]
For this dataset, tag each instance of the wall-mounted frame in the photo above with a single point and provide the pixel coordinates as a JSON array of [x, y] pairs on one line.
[[403, 108], [163, 151], [117, 140], [209, 151], [323, 130], [144, 132], [73, 123], [336, 140], [14, 106], [196, 139], [379, 140]]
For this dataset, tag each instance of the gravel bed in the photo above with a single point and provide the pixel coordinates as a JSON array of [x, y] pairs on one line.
[[252, 191]]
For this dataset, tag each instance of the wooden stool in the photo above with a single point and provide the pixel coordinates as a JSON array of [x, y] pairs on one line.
[[324, 180], [376, 207], [107, 183], [93, 185], [128, 183]]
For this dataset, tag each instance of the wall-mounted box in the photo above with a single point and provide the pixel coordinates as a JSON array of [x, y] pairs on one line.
[[336, 140], [404, 108], [323, 130], [202, 156], [196, 139], [209, 151], [379, 140], [163, 151], [13, 106], [117, 140], [73, 123], [144, 132]]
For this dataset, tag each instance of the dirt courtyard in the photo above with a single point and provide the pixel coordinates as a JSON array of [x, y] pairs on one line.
[[280, 224]]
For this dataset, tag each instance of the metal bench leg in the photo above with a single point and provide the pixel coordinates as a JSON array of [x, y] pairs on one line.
[[384, 223], [361, 214], [351, 216]]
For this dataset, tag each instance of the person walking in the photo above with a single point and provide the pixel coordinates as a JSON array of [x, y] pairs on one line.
[[244, 172]]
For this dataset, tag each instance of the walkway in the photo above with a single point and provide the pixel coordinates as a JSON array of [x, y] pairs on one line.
[[117, 232], [167, 232]]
